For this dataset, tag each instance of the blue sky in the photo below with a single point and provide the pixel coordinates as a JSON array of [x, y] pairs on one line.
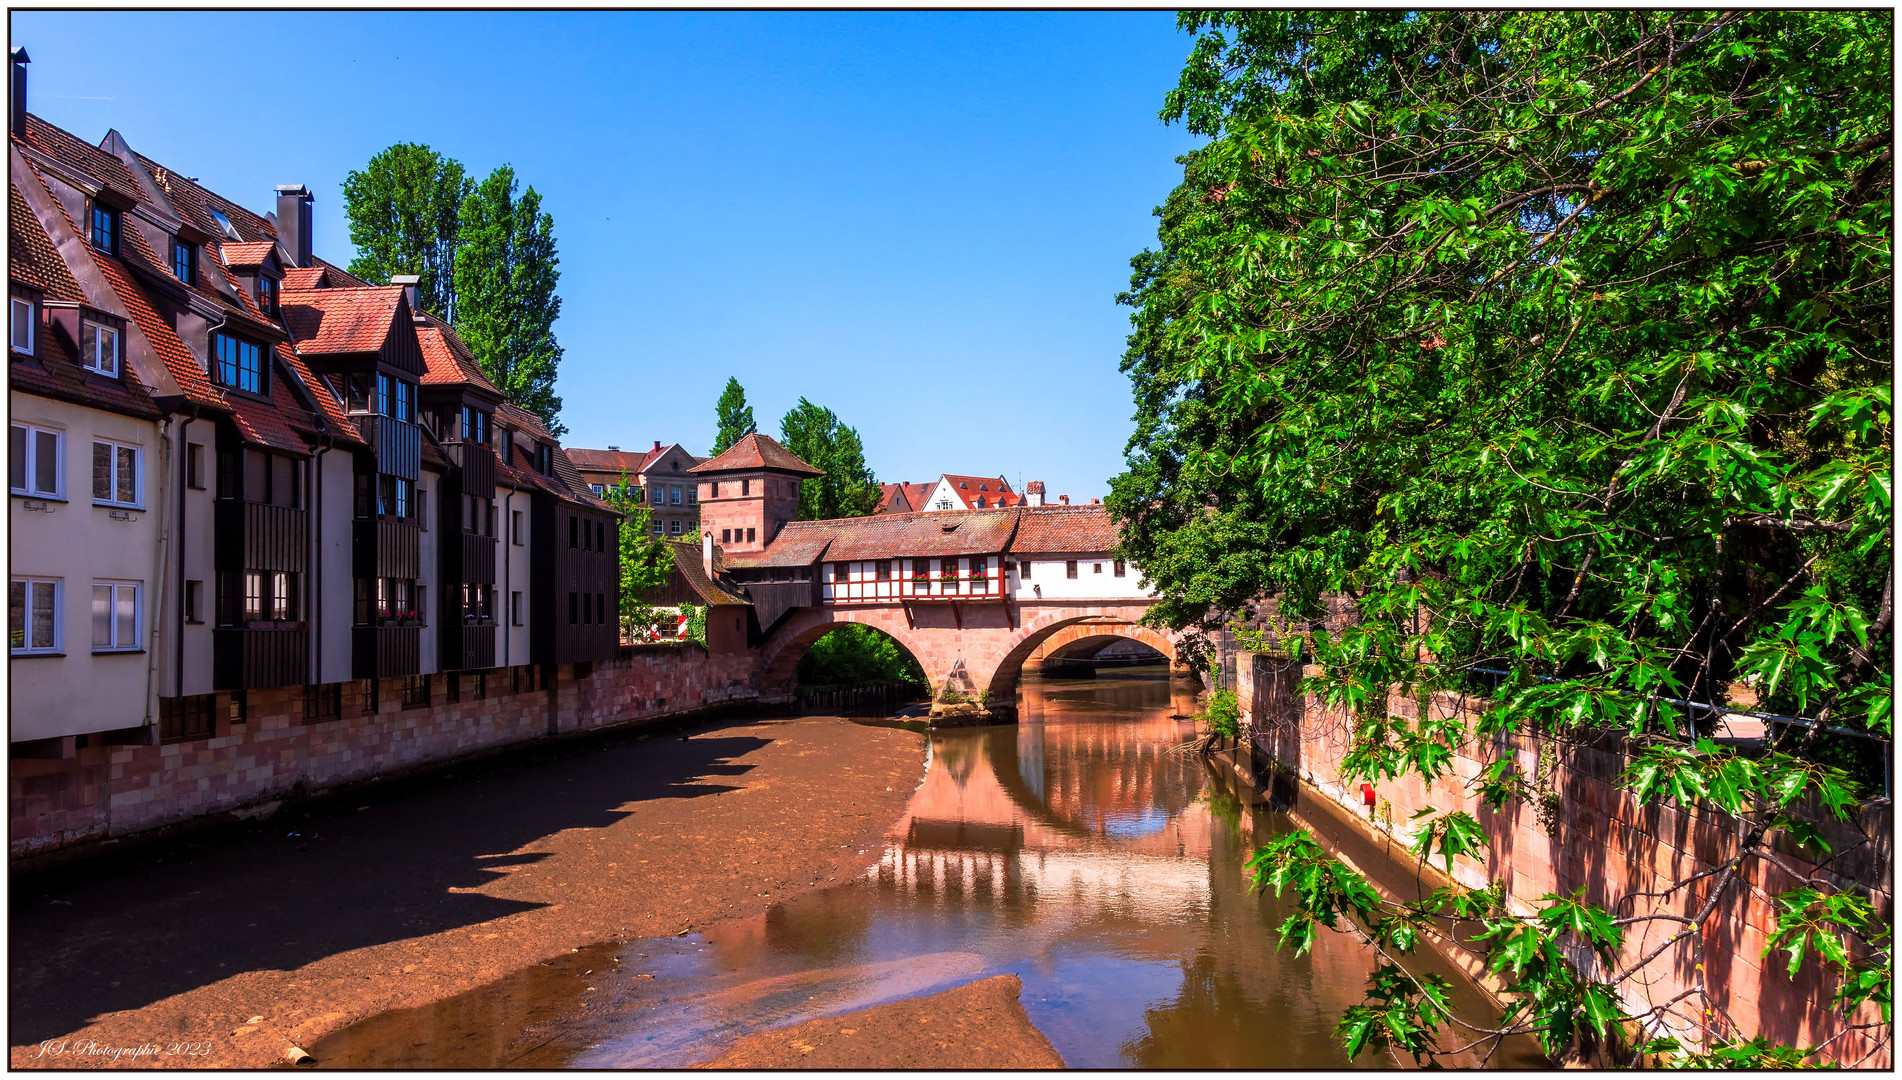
[[918, 220]]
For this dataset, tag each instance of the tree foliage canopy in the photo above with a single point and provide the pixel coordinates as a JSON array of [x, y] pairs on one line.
[[816, 436], [1560, 343], [735, 416], [403, 211], [505, 285]]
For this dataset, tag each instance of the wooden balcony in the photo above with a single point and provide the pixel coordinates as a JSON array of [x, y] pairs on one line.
[[259, 536], [911, 589], [478, 559], [398, 445], [379, 652], [468, 647], [389, 547], [247, 659], [477, 463]]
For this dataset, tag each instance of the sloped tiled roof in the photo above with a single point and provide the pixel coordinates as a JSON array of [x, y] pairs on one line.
[[1065, 528], [31, 257], [246, 253], [77, 152], [613, 462], [306, 277], [447, 361], [687, 559], [339, 277], [756, 451], [355, 320], [340, 424], [992, 489], [883, 536], [902, 498]]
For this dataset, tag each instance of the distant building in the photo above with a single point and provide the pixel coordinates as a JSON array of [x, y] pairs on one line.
[[948, 492], [660, 478]]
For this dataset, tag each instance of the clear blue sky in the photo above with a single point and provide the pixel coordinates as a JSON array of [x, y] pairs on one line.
[[918, 220]]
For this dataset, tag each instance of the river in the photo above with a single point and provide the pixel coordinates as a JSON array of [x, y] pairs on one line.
[[1078, 849]]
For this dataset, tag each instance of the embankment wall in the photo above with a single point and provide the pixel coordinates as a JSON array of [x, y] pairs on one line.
[[275, 750], [1581, 830]]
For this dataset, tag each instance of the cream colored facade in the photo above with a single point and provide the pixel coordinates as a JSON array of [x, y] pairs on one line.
[[75, 685]]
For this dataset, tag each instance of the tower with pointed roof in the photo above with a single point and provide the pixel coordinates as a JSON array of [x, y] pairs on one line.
[[749, 492]]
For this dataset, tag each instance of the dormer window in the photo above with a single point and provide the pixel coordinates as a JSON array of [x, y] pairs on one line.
[[224, 223], [475, 425], [356, 393], [184, 261], [104, 232], [267, 294], [99, 347], [544, 459], [240, 364], [23, 322]]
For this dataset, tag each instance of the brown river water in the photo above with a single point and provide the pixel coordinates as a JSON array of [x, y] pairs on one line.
[[1075, 850]]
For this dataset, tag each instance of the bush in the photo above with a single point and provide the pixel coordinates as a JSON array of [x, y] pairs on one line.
[[1223, 713]]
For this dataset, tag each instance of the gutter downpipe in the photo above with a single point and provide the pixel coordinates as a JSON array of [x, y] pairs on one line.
[[508, 580], [158, 575], [314, 584], [178, 642]]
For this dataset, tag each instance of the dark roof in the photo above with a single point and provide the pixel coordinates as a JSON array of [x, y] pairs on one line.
[[756, 451], [687, 560], [950, 532]]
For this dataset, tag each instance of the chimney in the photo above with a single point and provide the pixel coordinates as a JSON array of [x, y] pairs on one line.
[[706, 553], [1033, 493], [656, 449], [18, 121], [412, 288], [1094, 502], [611, 446], [293, 221], [1064, 499]]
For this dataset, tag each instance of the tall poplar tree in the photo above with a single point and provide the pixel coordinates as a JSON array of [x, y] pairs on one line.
[[848, 488], [736, 416], [403, 209], [505, 275]]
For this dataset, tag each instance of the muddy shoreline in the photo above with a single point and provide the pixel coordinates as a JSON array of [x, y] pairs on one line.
[[228, 955]]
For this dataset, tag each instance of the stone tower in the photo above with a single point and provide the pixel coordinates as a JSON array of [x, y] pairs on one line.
[[749, 491]]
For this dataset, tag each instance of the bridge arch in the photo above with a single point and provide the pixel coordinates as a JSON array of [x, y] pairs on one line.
[[789, 644], [1071, 633]]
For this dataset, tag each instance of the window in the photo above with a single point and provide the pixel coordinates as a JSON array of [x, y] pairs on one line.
[[239, 706], [658, 527], [416, 692], [99, 348], [515, 525], [323, 702], [673, 496], [21, 323], [981, 572], [1118, 567], [921, 573], [515, 609], [883, 569], [600, 536], [745, 487], [726, 536], [841, 572], [33, 615], [1023, 570], [184, 260], [1096, 568], [451, 687], [693, 496], [382, 394], [224, 222], [1069, 569], [115, 616], [35, 465], [267, 294], [193, 592], [238, 364], [195, 466], [598, 490], [403, 403], [371, 691], [185, 718], [574, 609], [104, 233], [475, 425], [284, 597], [115, 474], [357, 393], [749, 536], [253, 594], [674, 526]]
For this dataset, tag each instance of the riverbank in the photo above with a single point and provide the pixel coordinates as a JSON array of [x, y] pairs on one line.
[[228, 957]]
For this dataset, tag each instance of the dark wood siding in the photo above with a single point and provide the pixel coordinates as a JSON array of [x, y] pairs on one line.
[[259, 659], [477, 463], [379, 652], [398, 445], [561, 571], [388, 548], [478, 560], [468, 647], [259, 536]]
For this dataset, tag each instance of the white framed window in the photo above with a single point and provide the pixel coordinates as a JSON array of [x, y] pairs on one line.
[[115, 616], [598, 489], [116, 474], [674, 496], [658, 527], [99, 347], [674, 526], [21, 323], [37, 461], [33, 615]]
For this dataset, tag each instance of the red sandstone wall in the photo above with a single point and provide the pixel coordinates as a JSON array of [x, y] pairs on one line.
[[108, 791], [1604, 842]]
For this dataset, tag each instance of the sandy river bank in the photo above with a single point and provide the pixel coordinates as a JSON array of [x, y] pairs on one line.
[[227, 956]]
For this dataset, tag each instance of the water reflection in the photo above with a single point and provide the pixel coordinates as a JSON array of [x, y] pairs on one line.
[[1074, 849]]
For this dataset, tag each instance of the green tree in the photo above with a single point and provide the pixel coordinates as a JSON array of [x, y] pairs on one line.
[[816, 436], [856, 655], [645, 561], [736, 416], [1556, 343], [505, 277], [403, 211]]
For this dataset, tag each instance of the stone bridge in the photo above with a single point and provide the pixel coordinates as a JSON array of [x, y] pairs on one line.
[[978, 649]]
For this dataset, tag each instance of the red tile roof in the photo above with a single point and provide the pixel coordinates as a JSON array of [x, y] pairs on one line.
[[341, 426], [31, 257], [756, 451], [306, 277], [339, 277], [902, 498], [994, 490], [80, 154], [341, 320], [1065, 528], [613, 462], [447, 361], [246, 254]]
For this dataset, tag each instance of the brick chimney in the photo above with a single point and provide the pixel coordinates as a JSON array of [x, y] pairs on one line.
[[1033, 493], [293, 222], [706, 553], [1064, 499], [17, 121]]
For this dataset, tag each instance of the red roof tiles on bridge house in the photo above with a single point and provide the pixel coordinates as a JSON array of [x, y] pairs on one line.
[[1030, 530], [756, 451]]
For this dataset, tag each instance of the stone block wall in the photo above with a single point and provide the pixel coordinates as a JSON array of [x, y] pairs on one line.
[[110, 791], [1582, 830]]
